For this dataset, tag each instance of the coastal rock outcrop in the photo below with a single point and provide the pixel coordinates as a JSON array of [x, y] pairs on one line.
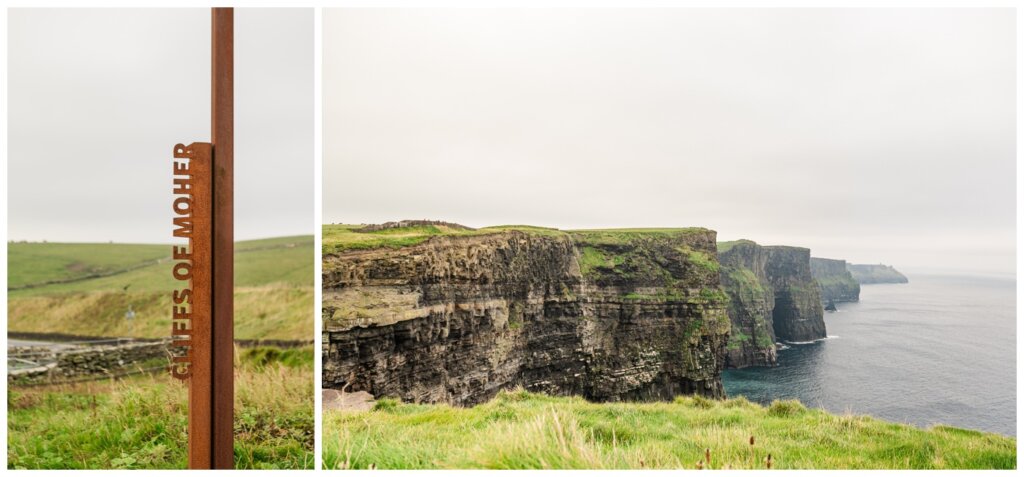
[[798, 315], [836, 283], [870, 274], [751, 301], [772, 297], [607, 315]]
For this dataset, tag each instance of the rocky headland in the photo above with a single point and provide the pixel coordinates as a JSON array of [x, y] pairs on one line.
[[836, 283], [871, 274], [772, 297]]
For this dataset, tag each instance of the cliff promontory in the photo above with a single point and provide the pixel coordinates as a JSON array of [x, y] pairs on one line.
[[434, 313], [751, 302], [836, 283], [772, 296], [870, 274]]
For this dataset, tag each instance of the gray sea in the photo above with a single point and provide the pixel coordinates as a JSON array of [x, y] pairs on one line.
[[940, 349]]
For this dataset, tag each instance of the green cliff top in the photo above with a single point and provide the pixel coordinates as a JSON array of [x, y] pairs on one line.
[[339, 238], [869, 274], [726, 246]]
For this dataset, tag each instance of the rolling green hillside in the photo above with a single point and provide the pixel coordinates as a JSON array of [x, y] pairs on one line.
[[85, 289], [38, 263]]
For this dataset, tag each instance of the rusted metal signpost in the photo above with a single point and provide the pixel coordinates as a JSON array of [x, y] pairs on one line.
[[203, 313]]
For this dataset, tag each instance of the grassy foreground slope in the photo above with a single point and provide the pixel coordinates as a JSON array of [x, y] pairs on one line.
[[520, 430], [86, 289], [141, 422]]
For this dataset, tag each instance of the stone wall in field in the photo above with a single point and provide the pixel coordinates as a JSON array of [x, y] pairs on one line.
[[71, 363]]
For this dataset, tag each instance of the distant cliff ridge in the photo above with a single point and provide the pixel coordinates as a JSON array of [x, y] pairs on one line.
[[869, 274], [836, 283], [772, 296], [442, 314]]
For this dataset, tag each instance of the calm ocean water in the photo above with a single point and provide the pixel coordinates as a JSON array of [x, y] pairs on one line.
[[940, 349]]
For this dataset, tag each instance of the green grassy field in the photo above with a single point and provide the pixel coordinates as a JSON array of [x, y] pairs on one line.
[[85, 289], [36, 263], [140, 422], [519, 430]]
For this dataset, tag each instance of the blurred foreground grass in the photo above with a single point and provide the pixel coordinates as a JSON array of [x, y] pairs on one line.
[[521, 430], [140, 422]]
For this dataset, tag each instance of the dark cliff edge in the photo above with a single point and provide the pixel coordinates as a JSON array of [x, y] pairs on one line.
[[608, 315], [772, 297], [871, 274], [836, 283]]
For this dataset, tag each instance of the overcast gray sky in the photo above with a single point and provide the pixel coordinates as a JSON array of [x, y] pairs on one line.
[[99, 97], [874, 135]]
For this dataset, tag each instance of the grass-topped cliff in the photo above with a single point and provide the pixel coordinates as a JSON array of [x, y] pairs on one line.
[[340, 238], [611, 314], [85, 289], [870, 274], [520, 430]]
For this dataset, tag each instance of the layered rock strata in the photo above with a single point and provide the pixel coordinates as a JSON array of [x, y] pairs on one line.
[[607, 315]]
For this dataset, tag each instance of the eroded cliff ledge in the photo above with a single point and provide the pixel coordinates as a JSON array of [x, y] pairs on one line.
[[836, 283], [454, 316], [772, 297]]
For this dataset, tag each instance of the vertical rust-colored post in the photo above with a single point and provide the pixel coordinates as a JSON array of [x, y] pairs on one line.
[[223, 237], [200, 347]]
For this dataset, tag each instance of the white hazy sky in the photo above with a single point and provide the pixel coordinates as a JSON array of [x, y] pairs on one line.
[[99, 97], [874, 135]]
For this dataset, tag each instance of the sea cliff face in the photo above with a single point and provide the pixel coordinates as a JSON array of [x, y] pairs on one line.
[[772, 296], [607, 315], [870, 274], [798, 315], [751, 301], [836, 283]]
